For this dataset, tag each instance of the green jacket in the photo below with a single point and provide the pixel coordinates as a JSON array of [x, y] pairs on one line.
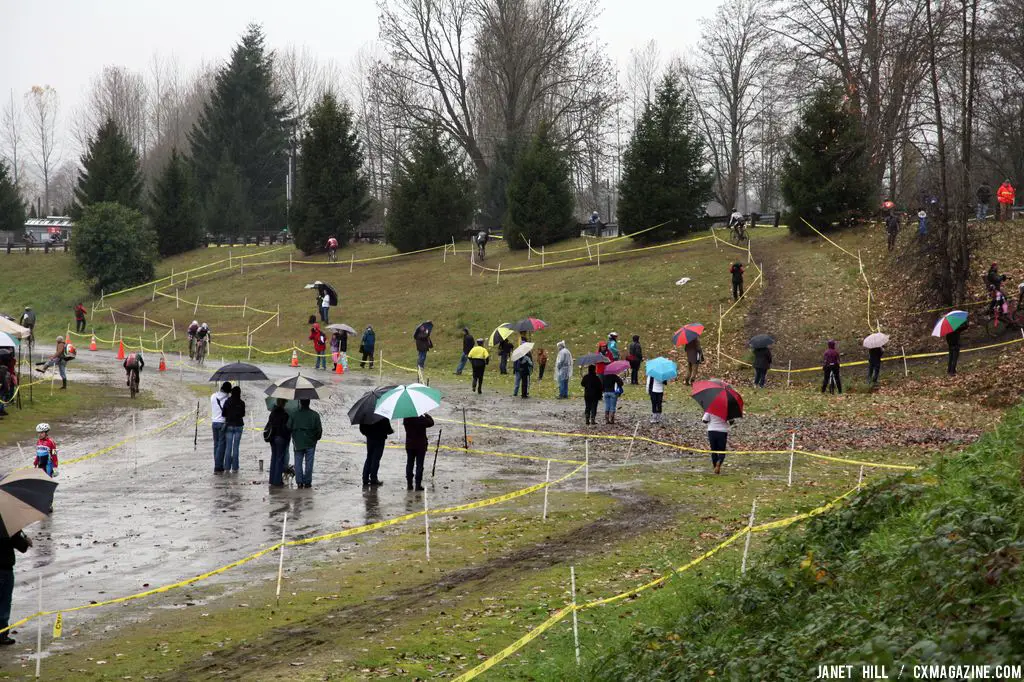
[[306, 429]]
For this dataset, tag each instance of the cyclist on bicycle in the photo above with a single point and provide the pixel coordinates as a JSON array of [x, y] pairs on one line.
[[203, 338], [133, 363], [736, 223], [332, 249], [192, 329], [481, 243]]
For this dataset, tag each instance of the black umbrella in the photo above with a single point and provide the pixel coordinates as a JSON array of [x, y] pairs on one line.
[[428, 325], [529, 324], [239, 371], [26, 496], [362, 411], [592, 359], [761, 341]]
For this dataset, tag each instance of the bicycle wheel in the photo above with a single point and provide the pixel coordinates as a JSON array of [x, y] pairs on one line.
[[134, 384], [996, 328]]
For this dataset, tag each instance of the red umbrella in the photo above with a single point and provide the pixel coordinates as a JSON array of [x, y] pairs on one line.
[[687, 333], [718, 398]]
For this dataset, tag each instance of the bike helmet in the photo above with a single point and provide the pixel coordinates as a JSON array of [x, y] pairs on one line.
[[195, 322], [42, 427], [204, 325]]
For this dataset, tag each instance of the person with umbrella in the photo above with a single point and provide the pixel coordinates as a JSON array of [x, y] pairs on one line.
[[563, 370], [338, 340], [830, 367], [593, 389], [306, 430], [688, 336], [218, 425], [416, 444], [722, 405], [234, 424], [26, 496], [277, 434], [505, 348], [478, 359], [875, 343], [375, 428], [635, 355], [366, 346], [423, 345], [468, 342], [762, 358], [522, 365], [611, 384], [949, 326], [326, 296], [21, 542]]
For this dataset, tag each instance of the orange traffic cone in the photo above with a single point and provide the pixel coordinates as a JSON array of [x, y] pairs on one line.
[[339, 368], [120, 350], [295, 358], [163, 364], [92, 344]]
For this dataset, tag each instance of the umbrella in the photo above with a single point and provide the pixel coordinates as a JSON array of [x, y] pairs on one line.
[[661, 369], [26, 496], [14, 329], [718, 398], [592, 359], [501, 333], [530, 324], [238, 371], [616, 367], [761, 341], [413, 400], [950, 322], [362, 411], [7, 341], [687, 333], [341, 328], [428, 324], [290, 407], [521, 350], [876, 340], [297, 387]]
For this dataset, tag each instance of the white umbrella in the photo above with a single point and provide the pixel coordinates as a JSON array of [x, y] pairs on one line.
[[14, 329], [521, 350], [7, 341], [876, 340], [413, 400]]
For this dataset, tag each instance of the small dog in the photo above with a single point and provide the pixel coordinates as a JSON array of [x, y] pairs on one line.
[[289, 475]]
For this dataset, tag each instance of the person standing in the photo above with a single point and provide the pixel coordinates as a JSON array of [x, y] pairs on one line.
[[468, 342], [613, 345], [280, 436], [376, 439], [892, 228], [542, 363], [423, 346], [504, 350], [523, 372], [762, 363], [694, 356], [416, 445], [563, 370], [984, 198], [335, 350], [57, 359], [612, 387], [319, 343], [602, 349], [366, 346], [593, 388], [28, 320], [953, 343], [478, 359], [234, 422], [1006, 195], [5, 387], [79, 317], [21, 542], [830, 368], [737, 280], [874, 364], [217, 401], [306, 431], [922, 223], [634, 355], [656, 389], [718, 438]]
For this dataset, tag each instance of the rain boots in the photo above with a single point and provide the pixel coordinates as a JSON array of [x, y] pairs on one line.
[[63, 384]]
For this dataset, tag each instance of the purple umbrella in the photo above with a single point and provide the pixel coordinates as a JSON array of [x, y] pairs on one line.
[[616, 367]]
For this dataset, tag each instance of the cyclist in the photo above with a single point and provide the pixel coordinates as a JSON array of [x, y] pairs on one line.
[[203, 337], [481, 243], [332, 249], [192, 329], [133, 363], [993, 278], [46, 451], [736, 224]]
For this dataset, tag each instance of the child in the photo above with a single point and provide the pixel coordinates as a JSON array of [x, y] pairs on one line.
[[46, 451], [542, 362], [656, 389]]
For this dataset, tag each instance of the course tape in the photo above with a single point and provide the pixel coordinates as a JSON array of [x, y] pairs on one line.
[[468, 451], [295, 543], [560, 614], [600, 240], [547, 264]]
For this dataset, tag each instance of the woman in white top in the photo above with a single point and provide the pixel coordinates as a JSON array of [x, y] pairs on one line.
[[656, 389], [718, 436]]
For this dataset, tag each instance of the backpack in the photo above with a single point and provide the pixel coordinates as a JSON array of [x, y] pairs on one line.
[[268, 432], [323, 339], [70, 351], [700, 356]]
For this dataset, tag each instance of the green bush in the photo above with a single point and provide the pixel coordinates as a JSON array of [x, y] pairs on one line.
[[113, 246], [540, 197]]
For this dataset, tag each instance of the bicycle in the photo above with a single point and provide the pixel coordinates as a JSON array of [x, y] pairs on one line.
[[998, 323], [201, 351], [191, 347], [332, 255], [738, 233], [133, 382]]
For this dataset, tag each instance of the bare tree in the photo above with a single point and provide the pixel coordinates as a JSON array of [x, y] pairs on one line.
[[11, 122], [642, 72], [303, 78], [42, 109], [123, 96]]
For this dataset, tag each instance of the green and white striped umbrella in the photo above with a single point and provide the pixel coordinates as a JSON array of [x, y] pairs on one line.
[[413, 400]]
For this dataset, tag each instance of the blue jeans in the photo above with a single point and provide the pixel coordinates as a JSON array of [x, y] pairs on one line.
[[982, 211], [321, 359], [325, 312], [518, 379], [421, 361], [233, 440], [563, 388], [304, 466], [462, 363], [278, 459], [219, 443], [610, 401], [6, 593]]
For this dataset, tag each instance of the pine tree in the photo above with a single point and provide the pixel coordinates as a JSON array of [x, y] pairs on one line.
[[173, 211], [110, 171], [332, 196], [494, 185], [227, 201], [540, 196], [664, 179], [825, 174], [244, 122], [113, 246], [432, 198], [12, 209]]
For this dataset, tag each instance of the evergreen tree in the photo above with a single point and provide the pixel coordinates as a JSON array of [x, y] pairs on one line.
[[113, 246], [332, 196], [227, 201], [110, 171], [540, 196], [432, 197], [244, 122], [12, 210], [173, 212], [664, 179], [494, 185], [825, 174]]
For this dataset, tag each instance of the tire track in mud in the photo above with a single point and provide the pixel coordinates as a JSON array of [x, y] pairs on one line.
[[639, 515]]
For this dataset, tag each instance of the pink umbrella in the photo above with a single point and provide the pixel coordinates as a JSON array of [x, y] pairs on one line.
[[616, 367]]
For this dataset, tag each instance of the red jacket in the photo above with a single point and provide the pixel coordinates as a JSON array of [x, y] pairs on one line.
[[1006, 194], [317, 337], [79, 312], [602, 349]]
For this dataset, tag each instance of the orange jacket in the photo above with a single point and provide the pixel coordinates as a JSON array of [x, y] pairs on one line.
[[1006, 194]]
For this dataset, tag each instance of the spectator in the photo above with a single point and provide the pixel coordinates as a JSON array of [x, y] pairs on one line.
[[830, 367], [542, 363], [234, 420], [306, 431], [656, 389], [217, 401], [279, 437], [563, 370], [874, 364], [524, 369], [366, 346], [762, 363], [504, 350], [613, 345], [1006, 195], [468, 342], [922, 223], [21, 542], [718, 438], [737, 280], [694, 357], [953, 343], [984, 198], [634, 355], [28, 320], [478, 359], [79, 317], [376, 438], [593, 388], [892, 228], [423, 346], [612, 385], [416, 448], [319, 343]]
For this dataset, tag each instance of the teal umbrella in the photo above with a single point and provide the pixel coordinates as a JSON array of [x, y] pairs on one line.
[[413, 400], [290, 407]]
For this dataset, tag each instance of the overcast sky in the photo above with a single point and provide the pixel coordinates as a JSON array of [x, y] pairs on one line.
[[65, 43]]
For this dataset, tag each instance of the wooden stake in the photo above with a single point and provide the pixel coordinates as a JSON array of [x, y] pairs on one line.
[[426, 523], [542, 256], [154, 294], [195, 309], [586, 467], [278, 314], [186, 280], [177, 299], [465, 431], [599, 254], [906, 370], [547, 485], [792, 447], [248, 342], [590, 256], [174, 333], [575, 623], [498, 280], [760, 275], [280, 561], [789, 375], [746, 546], [351, 261], [718, 351], [380, 367], [632, 440], [39, 628], [860, 478], [529, 249], [245, 304], [289, 262]]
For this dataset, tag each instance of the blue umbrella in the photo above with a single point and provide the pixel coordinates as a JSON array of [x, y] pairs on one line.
[[661, 369]]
